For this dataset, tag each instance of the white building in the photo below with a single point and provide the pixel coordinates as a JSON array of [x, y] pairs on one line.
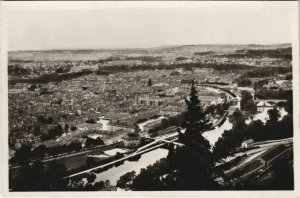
[[247, 143]]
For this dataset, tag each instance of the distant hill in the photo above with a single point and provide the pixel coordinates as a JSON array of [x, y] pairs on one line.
[[96, 54], [190, 49]]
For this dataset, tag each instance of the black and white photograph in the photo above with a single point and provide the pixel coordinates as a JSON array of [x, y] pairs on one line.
[[150, 96]]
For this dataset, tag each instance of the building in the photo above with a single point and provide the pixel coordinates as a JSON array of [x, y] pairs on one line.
[[247, 143], [147, 127], [149, 100], [116, 127], [172, 110], [132, 140]]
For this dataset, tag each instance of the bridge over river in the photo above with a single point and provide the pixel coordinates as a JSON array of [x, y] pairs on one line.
[[267, 103]]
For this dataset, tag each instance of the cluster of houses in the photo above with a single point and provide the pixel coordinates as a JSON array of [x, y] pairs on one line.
[[123, 98]]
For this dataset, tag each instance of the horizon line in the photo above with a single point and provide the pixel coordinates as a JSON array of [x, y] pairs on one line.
[[138, 48]]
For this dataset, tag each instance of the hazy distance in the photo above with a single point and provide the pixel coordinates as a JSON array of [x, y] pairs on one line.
[[243, 23]]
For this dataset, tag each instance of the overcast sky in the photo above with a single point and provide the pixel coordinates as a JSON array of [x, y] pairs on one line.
[[251, 23]]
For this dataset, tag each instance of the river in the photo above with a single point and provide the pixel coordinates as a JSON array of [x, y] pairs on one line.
[[213, 135], [114, 174]]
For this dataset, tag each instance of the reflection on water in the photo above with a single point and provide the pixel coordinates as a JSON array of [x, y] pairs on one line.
[[146, 159]]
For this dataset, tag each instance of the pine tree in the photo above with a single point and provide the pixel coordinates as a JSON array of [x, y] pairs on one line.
[[187, 167], [195, 122], [194, 161]]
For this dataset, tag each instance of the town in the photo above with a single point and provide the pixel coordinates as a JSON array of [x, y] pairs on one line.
[[98, 110]]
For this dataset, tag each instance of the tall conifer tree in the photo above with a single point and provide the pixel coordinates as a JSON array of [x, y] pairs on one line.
[[194, 161], [195, 122]]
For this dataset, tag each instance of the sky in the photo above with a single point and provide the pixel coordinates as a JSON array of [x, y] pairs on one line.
[[99, 27]]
